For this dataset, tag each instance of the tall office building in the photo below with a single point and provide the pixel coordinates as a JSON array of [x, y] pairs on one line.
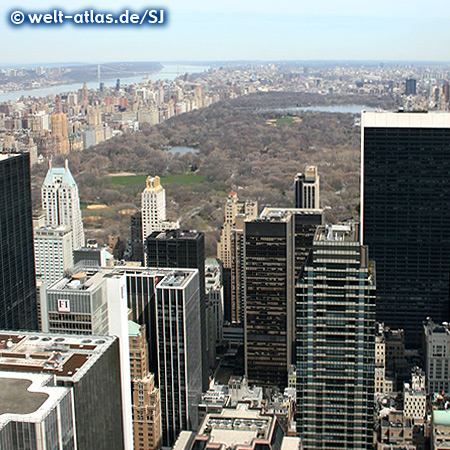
[[228, 247], [30, 405], [269, 275], [92, 302], [276, 247], [237, 279], [166, 302], [179, 353], [153, 208], [137, 245], [78, 403], [183, 249], [61, 202], [411, 86], [53, 251], [405, 208], [18, 309], [59, 133], [146, 397], [335, 344], [437, 356], [307, 189]]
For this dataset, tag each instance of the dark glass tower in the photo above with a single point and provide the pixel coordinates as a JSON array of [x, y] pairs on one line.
[[18, 309], [276, 247], [269, 303], [405, 214], [182, 249]]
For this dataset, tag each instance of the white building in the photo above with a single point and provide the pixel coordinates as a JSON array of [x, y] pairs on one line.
[[61, 202], [53, 252], [153, 208], [415, 397], [437, 357]]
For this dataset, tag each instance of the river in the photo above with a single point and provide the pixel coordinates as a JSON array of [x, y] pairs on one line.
[[168, 72]]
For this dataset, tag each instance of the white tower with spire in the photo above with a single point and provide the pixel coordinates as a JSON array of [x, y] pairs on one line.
[[61, 202]]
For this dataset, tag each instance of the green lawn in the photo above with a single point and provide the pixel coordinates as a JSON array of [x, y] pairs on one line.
[[135, 180], [282, 120]]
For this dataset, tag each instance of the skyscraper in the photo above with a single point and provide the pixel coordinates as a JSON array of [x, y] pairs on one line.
[[164, 301], [411, 86], [307, 189], [86, 403], [61, 202], [59, 132], [183, 249], [228, 249], [335, 345], [146, 397], [153, 208], [18, 309], [53, 251], [269, 276], [405, 209], [276, 247], [437, 356]]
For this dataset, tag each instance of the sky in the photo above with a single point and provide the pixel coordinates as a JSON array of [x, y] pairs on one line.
[[201, 30]]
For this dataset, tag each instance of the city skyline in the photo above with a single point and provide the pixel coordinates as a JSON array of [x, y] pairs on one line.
[[252, 31]]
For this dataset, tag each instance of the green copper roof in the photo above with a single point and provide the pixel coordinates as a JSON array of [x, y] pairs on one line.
[[441, 417], [61, 172], [134, 329]]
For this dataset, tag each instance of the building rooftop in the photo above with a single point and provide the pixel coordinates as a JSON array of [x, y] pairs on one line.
[[237, 426], [4, 156], [281, 214], [402, 119], [17, 399], [175, 234], [344, 232], [60, 175], [60, 230], [27, 397], [441, 418], [66, 356], [134, 329]]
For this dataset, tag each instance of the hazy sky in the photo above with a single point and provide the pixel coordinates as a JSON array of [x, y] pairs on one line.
[[236, 29]]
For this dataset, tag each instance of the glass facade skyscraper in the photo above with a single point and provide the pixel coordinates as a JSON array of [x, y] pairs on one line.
[[18, 309], [335, 301], [405, 211]]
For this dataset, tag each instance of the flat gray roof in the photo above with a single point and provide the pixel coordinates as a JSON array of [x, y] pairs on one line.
[[16, 399]]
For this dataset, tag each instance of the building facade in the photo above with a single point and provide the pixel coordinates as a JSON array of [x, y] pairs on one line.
[[61, 203], [183, 249], [146, 398], [35, 414], [86, 366], [335, 343], [405, 206], [437, 357], [153, 208], [53, 250], [18, 309], [307, 189], [269, 290]]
